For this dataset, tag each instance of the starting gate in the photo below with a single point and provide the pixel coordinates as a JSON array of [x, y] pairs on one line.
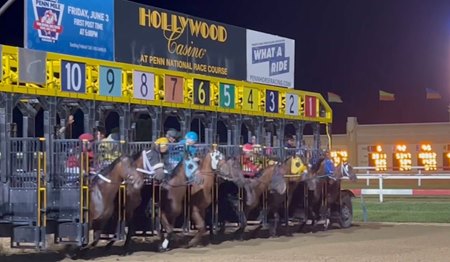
[[44, 178]]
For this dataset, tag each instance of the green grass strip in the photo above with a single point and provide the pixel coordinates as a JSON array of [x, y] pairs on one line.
[[403, 209]]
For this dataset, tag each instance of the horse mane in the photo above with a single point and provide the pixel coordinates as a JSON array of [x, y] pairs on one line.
[[136, 155], [109, 168]]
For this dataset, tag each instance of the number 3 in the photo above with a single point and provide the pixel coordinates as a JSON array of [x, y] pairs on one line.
[[272, 102]]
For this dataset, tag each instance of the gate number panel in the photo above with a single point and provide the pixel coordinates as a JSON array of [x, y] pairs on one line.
[[310, 106], [226, 95], [110, 81], [173, 89], [143, 85], [201, 92], [73, 77], [271, 101], [250, 99], [291, 104]]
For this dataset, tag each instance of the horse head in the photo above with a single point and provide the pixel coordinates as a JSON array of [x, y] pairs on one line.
[[216, 158], [346, 170], [230, 168]]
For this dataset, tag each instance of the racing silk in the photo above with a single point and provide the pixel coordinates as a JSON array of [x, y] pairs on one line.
[[175, 156], [248, 166], [329, 167], [108, 150]]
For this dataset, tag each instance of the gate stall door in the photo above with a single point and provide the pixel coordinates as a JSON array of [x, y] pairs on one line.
[[68, 191], [27, 191]]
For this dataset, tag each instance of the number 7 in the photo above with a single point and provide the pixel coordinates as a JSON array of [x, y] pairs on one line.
[[175, 80]]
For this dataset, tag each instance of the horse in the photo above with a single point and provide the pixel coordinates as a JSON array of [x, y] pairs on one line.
[[105, 186], [319, 183], [295, 175], [174, 191], [270, 178]]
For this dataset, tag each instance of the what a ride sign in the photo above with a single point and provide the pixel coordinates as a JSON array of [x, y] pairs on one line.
[[270, 59], [156, 37]]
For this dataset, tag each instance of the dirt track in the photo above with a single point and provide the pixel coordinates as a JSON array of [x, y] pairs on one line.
[[364, 242]]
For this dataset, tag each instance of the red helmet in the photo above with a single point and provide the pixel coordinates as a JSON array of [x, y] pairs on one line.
[[247, 148], [87, 136]]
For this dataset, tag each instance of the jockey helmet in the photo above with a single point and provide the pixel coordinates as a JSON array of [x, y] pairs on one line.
[[87, 148], [191, 136], [247, 148], [162, 141], [173, 133], [86, 136]]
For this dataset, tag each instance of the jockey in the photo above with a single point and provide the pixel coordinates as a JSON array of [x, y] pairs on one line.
[[87, 148], [162, 146], [329, 165], [108, 149], [172, 135], [189, 141], [249, 163], [290, 142], [73, 162]]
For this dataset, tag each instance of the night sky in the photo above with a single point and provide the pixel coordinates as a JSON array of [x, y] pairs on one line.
[[350, 47]]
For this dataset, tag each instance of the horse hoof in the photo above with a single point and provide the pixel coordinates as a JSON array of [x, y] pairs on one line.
[[162, 249]]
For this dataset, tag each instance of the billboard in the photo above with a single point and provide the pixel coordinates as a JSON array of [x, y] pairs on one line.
[[73, 27], [161, 38], [270, 59]]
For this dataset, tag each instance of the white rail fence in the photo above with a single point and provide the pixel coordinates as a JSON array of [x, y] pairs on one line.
[[415, 174]]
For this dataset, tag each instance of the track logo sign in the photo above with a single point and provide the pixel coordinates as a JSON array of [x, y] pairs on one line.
[[48, 17]]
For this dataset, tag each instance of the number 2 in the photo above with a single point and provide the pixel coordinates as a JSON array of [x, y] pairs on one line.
[[291, 100]]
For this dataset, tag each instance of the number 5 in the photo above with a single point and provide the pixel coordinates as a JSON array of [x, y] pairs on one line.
[[226, 93]]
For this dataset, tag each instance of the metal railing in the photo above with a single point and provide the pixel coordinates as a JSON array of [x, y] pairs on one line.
[[414, 174]]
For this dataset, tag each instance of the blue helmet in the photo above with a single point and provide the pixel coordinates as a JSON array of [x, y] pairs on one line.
[[191, 135]]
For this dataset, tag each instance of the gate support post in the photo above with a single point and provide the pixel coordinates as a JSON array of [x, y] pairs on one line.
[[89, 109], [185, 122], [29, 118], [316, 134], [157, 129]]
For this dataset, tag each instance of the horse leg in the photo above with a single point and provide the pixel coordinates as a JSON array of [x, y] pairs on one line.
[[198, 217], [274, 225], [133, 201], [239, 233], [169, 233], [98, 226]]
